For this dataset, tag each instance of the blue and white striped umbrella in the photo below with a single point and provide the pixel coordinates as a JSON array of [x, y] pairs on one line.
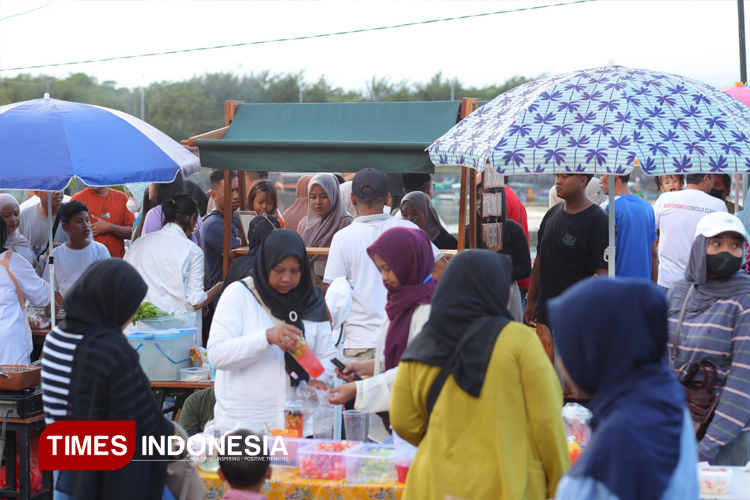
[[45, 142], [599, 121]]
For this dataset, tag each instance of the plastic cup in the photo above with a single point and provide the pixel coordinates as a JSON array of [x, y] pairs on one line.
[[402, 468], [355, 425], [307, 358], [322, 423]]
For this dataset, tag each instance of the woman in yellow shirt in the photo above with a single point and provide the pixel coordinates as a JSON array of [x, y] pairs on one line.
[[495, 430]]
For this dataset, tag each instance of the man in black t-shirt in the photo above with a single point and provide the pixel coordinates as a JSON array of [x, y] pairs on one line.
[[572, 239]]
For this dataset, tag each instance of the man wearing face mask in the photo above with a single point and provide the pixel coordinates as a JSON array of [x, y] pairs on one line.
[[677, 215], [714, 295], [721, 189]]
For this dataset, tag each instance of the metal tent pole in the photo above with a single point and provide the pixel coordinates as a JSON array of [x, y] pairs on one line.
[[611, 248], [743, 58], [51, 260]]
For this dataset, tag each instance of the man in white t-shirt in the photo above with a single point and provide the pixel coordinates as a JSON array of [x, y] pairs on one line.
[[76, 255], [677, 215], [348, 257]]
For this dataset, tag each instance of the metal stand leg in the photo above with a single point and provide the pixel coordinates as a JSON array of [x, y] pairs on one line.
[[10, 461], [24, 468]]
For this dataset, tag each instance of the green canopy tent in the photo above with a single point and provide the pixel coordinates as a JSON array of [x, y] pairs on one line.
[[327, 137]]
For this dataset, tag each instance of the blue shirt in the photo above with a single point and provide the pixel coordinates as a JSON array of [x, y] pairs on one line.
[[212, 234], [636, 231]]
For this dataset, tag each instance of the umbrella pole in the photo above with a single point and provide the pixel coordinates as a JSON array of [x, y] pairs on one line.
[[51, 260], [610, 252]]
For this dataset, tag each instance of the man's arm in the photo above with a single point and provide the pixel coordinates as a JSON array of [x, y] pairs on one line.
[[439, 268], [655, 261], [101, 226], [529, 314], [601, 272]]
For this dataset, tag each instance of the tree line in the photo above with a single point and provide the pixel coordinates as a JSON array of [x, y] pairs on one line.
[[186, 108]]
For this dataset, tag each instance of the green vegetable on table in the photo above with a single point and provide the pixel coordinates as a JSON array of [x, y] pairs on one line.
[[148, 310]]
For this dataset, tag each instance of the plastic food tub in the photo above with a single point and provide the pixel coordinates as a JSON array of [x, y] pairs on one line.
[[714, 480], [370, 463], [194, 374], [292, 445], [324, 459], [184, 320]]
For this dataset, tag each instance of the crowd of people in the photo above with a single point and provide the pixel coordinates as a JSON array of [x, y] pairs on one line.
[[442, 347]]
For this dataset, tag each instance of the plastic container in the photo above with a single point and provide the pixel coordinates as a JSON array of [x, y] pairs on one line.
[[163, 353], [714, 480], [292, 445], [370, 463], [323, 423], [179, 320], [355, 424], [324, 459], [294, 416], [195, 374], [307, 358]]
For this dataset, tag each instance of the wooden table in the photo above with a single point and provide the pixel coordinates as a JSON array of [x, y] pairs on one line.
[[18, 436], [180, 389], [37, 340]]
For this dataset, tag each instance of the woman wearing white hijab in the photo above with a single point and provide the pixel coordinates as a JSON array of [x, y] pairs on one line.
[[16, 242]]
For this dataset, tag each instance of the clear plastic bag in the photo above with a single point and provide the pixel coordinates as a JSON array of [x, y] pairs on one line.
[[576, 419]]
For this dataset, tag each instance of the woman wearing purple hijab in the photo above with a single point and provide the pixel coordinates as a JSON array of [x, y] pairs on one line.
[[405, 260]]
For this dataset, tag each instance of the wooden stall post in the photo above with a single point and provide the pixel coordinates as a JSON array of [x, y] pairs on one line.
[[230, 108], [468, 181], [462, 209]]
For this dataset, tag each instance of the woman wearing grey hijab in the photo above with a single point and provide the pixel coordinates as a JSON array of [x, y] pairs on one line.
[[709, 310], [417, 207]]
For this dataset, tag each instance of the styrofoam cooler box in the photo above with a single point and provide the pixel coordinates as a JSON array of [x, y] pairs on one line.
[[163, 352]]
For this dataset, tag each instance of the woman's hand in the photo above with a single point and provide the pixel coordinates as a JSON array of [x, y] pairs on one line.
[[284, 336], [318, 384], [342, 394], [352, 368]]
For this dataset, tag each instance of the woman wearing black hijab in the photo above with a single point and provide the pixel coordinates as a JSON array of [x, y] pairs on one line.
[[90, 372], [496, 429], [252, 333], [260, 227]]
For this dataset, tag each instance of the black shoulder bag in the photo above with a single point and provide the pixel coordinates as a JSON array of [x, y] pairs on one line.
[[702, 396]]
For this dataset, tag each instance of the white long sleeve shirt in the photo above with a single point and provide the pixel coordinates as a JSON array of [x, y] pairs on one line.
[[374, 393], [15, 332], [172, 267], [251, 382]]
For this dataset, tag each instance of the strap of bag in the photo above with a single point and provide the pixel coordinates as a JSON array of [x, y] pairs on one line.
[[293, 368], [55, 225], [447, 368], [250, 285], [677, 330], [6, 264]]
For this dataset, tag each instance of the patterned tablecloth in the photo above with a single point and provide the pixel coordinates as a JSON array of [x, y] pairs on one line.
[[286, 484]]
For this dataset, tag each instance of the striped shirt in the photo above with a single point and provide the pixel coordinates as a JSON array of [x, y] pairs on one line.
[[721, 334], [57, 365]]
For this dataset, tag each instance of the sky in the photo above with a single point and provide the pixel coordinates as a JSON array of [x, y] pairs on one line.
[[698, 39]]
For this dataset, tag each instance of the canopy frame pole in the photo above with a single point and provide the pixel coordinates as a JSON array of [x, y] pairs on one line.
[[230, 108], [51, 260], [227, 221], [736, 193], [243, 190], [472, 208], [609, 253], [468, 181], [462, 210]]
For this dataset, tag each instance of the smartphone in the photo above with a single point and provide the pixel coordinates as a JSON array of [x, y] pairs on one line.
[[341, 366]]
